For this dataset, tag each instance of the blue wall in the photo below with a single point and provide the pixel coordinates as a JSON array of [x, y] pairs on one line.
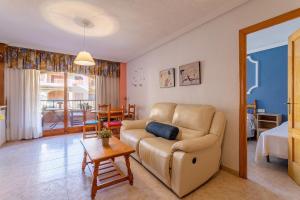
[[272, 90]]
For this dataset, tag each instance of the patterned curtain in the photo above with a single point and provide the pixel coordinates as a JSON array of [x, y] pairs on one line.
[[22, 58]]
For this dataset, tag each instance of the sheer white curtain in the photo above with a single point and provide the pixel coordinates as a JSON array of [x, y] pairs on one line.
[[23, 104], [107, 90]]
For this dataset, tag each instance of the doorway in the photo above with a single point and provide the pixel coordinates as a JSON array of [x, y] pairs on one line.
[[270, 175], [243, 84]]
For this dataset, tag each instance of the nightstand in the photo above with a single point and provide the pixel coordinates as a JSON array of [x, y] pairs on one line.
[[266, 121]]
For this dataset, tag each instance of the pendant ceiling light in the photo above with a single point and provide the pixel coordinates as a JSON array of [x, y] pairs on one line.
[[83, 57]]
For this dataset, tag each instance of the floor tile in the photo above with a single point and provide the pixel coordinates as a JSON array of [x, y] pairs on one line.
[[50, 168]]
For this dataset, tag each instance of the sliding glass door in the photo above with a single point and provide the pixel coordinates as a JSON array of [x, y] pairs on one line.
[[52, 101], [63, 97], [81, 94]]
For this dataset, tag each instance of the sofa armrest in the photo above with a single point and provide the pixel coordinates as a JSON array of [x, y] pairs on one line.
[[195, 144], [133, 124], [190, 170]]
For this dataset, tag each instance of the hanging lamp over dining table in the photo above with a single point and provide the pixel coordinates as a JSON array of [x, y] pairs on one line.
[[84, 57]]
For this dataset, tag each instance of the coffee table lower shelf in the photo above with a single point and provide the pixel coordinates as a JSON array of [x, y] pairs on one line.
[[106, 173]]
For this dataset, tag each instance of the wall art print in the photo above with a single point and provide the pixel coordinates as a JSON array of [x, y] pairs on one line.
[[190, 74], [167, 78]]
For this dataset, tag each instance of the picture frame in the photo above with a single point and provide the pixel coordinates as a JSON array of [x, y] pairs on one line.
[[190, 74], [167, 78]]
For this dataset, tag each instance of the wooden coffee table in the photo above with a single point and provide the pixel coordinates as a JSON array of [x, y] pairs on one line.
[[101, 160]]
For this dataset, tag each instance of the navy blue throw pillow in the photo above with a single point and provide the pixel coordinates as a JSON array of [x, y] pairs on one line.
[[162, 130]]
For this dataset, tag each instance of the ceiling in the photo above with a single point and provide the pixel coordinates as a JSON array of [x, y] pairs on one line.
[[272, 37], [120, 30]]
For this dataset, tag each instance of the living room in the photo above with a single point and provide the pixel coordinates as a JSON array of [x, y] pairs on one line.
[[74, 73]]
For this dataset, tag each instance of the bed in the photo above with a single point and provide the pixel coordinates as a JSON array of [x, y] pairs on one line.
[[251, 124], [273, 142]]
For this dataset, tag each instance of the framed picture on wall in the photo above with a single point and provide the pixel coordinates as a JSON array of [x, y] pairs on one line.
[[167, 78], [190, 74]]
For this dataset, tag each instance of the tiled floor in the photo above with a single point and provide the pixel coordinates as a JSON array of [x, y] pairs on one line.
[[50, 168], [273, 175]]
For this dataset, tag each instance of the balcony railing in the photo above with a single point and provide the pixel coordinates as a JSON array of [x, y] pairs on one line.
[[53, 113], [58, 104]]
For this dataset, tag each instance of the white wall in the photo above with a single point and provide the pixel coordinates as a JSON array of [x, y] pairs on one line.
[[215, 44]]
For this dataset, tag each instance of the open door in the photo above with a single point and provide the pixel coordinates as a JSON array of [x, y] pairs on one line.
[[294, 106]]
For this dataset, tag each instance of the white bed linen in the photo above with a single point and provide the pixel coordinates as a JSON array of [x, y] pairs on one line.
[[273, 142], [250, 125]]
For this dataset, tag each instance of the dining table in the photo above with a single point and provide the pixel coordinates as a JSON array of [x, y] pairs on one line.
[[103, 113]]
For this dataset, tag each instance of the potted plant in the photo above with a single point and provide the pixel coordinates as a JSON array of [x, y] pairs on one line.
[[104, 135]]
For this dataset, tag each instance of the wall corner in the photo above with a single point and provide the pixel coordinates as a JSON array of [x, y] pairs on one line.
[[123, 84]]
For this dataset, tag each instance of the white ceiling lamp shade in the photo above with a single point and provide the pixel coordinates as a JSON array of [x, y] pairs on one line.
[[84, 58]]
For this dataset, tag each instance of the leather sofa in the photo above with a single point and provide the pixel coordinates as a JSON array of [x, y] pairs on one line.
[[187, 162]]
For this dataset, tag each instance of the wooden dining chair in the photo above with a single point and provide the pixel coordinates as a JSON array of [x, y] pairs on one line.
[[103, 106], [130, 112], [102, 114], [114, 119], [89, 123]]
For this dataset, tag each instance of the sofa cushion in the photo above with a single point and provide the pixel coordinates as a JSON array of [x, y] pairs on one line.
[[162, 112], [195, 117], [156, 155], [162, 130], [132, 137]]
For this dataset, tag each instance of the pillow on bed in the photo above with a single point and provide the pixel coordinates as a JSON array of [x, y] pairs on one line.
[[162, 130]]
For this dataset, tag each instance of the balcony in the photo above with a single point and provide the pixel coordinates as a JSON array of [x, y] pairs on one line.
[[53, 113]]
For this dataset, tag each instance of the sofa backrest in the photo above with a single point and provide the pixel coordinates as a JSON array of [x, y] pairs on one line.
[[193, 120], [162, 112], [195, 117]]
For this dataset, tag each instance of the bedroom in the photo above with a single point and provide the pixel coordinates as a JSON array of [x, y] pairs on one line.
[[267, 105]]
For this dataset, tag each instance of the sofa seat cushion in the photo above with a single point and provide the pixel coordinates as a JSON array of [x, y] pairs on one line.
[[132, 137], [156, 154]]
